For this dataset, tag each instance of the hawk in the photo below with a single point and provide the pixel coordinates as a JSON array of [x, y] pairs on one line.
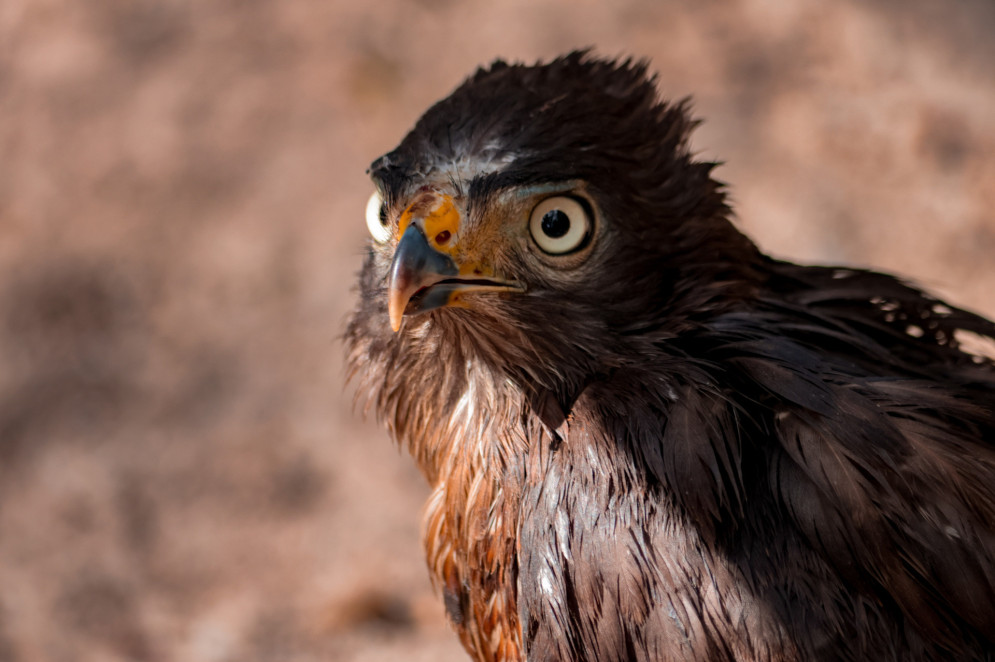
[[645, 439]]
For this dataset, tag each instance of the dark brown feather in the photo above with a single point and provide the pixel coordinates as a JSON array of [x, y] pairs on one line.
[[689, 451]]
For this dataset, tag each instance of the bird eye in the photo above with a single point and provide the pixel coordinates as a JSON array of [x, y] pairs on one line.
[[560, 225], [376, 218]]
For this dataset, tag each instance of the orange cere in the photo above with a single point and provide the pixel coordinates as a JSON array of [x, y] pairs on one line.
[[440, 225]]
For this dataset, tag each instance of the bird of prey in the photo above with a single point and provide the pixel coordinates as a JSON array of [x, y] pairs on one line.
[[645, 439]]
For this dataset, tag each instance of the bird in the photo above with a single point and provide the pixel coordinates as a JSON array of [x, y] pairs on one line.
[[644, 438]]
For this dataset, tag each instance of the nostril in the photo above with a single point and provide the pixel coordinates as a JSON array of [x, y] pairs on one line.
[[442, 237]]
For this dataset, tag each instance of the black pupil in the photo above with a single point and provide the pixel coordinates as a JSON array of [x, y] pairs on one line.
[[555, 223]]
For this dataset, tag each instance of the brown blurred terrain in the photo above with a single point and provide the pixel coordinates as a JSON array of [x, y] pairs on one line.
[[182, 184]]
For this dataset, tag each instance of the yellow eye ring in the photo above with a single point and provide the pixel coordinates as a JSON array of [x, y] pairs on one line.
[[376, 218], [560, 224]]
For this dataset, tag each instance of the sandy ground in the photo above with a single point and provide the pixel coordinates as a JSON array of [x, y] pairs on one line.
[[182, 184]]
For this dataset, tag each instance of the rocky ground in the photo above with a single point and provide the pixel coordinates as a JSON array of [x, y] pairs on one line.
[[182, 475]]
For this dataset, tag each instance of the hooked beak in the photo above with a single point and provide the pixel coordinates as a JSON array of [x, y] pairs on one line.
[[422, 278]]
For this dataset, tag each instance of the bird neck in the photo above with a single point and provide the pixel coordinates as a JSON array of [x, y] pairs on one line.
[[474, 462]]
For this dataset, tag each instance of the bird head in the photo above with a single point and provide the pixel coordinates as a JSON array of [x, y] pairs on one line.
[[543, 219]]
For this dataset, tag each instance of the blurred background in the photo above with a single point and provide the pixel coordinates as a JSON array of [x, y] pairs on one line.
[[182, 475]]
